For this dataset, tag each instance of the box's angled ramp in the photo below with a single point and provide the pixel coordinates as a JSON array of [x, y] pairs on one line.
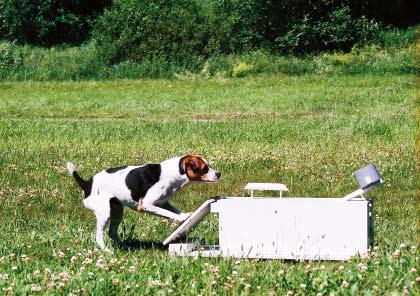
[[191, 222]]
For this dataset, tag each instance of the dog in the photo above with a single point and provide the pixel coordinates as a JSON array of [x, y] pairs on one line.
[[147, 188]]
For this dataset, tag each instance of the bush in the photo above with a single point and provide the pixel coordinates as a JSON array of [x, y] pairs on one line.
[[397, 38], [186, 32], [139, 31], [339, 31], [10, 58], [80, 63], [48, 22]]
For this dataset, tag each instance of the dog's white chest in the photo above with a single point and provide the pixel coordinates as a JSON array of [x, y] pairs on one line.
[[165, 190]]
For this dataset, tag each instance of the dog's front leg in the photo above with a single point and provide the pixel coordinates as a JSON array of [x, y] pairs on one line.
[[171, 208], [155, 210]]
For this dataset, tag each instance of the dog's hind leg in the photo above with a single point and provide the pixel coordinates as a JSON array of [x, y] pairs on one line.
[[102, 214], [117, 212], [101, 221]]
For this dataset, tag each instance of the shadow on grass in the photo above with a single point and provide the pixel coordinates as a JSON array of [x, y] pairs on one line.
[[135, 244]]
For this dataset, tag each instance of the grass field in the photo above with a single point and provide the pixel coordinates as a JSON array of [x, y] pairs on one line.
[[309, 132]]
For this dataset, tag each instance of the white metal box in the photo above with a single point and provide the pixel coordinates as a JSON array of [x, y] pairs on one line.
[[294, 228], [284, 228]]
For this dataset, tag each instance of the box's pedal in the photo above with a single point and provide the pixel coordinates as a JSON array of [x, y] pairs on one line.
[[191, 221]]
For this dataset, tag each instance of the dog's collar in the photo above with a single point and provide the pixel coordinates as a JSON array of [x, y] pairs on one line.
[[181, 166]]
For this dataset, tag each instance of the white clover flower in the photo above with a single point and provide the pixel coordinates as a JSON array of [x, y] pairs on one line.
[[99, 264], [25, 258], [87, 261], [115, 281], [365, 256], [63, 276], [4, 277], [362, 267], [345, 284], [60, 285], [113, 261], [36, 288], [73, 259], [50, 283]]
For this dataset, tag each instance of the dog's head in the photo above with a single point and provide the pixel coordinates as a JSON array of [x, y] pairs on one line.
[[197, 169]]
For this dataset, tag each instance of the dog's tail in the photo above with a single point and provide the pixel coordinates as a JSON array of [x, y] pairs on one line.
[[85, 185]]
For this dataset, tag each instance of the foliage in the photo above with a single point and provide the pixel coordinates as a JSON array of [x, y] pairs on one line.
[[185, 31], [10, 59], [48, 22], [393, 52], [139, 31], [339, 31]]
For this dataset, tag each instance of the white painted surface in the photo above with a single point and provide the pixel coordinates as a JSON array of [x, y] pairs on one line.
[[182, 249], [266, 187], [288, 228], [292, 228]]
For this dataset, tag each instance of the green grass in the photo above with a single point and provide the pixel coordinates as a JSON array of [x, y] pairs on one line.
[[309, 132]]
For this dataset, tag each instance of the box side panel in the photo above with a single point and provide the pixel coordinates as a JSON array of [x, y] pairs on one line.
[[293, 230]]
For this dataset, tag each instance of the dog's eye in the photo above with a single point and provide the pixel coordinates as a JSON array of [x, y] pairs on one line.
[[205, 170]]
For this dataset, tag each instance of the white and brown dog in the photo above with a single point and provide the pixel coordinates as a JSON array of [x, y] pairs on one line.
[[145, 188]]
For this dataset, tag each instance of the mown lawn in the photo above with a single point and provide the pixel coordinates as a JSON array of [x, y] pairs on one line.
[[308, 132]]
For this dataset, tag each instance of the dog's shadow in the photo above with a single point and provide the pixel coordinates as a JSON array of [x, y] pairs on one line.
[[135, 244], [130, 243]]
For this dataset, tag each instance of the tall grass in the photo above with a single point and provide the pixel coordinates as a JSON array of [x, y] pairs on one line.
[[392, 52]]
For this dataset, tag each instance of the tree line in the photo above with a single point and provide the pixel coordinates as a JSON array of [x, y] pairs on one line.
[[190, 30]]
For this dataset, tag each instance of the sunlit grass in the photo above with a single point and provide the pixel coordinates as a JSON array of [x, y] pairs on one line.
[[310, 133]]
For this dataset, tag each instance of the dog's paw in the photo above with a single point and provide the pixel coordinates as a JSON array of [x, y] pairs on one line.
[[183, 216]]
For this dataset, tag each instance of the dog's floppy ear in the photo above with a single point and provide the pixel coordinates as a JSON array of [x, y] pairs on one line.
[[191, 165]]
